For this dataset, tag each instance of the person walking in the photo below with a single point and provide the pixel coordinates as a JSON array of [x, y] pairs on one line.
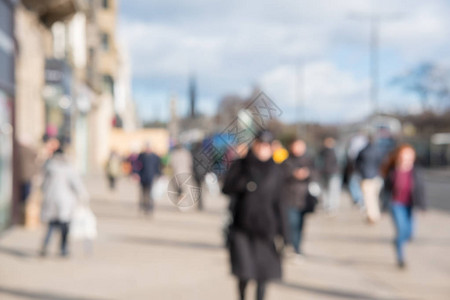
[[199, 170], [113, 169], [351, 176], [62, 189], [405, 190], [330, 173], [368, 165], [180, 160], [149, 165], [254, 182], [298, 171]]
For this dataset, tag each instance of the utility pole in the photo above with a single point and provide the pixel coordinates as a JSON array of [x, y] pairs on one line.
[[300, 98], [192, 96], [375, 21]]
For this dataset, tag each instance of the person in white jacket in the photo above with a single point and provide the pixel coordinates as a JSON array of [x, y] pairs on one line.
[[62, 189]]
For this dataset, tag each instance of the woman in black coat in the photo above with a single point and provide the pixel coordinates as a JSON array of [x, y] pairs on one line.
[[254, 184]]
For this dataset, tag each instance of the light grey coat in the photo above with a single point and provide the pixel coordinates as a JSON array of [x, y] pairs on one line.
[[62, 188]]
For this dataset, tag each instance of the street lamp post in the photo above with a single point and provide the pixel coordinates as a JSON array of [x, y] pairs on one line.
[[375, 21]]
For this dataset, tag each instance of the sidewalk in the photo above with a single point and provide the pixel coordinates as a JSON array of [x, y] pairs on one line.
[[179, 255]]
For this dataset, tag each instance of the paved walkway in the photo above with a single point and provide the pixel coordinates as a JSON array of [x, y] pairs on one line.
[[179, 255]]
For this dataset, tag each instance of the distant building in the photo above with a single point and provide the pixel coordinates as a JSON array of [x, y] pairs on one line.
[[66, 75], [124, 104]]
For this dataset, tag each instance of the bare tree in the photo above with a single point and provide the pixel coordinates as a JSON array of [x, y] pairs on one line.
[[429, 81]]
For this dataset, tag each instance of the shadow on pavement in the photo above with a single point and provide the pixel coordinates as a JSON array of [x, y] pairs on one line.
[[424, 241], [39, 295], [349, 261], [342, 294], [353, 239], [17, 252], [420, 241], [170, 243]]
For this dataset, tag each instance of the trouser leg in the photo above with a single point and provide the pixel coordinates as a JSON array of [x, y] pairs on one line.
[[410, 223], [400, 218], [64, 226], [295, 228], [354, 186], [301, 227], [51, 225], [112, 182], [200, 198], [260, 290], [242, 286], [146, 199], [371, 192]]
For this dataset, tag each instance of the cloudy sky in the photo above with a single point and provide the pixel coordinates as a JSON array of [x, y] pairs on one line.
[[232, 46]]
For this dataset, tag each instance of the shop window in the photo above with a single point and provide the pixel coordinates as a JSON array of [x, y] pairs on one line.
[[108, 84], [105, 42]]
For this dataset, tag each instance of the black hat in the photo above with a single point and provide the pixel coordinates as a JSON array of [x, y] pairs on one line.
[[264, 136]]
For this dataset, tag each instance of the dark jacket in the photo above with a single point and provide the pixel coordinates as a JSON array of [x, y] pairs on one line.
[[294, 191], [368, 162], [328, 162], [149, 167], [418, 192], [258, 216]]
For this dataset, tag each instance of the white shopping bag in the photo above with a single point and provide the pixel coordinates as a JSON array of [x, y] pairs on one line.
[[212, 183], [84, 224], [159, 188]]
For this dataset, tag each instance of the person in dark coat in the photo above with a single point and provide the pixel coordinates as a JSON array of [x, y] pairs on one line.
[[149, 165], [405, 189], [368, 165], [198, 170], [330, 173], [254, 184], [298, 170]]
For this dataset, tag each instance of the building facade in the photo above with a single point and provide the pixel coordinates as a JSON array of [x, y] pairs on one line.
[[7, 93]]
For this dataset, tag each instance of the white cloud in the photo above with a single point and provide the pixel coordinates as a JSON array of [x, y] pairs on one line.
[[231, 45], [322, 91]]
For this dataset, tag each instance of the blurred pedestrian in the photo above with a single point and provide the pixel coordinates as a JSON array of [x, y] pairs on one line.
[[62, 189], [352, 176], [113, 169], [199, 170], [258, 214], [134, 163], [405, 189], [330, 173], [298, 172], [149, 168], [180, 160], [368, 165]]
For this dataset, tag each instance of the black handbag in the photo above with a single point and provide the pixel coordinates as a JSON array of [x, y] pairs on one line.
[[310, 203], [312, 199]]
